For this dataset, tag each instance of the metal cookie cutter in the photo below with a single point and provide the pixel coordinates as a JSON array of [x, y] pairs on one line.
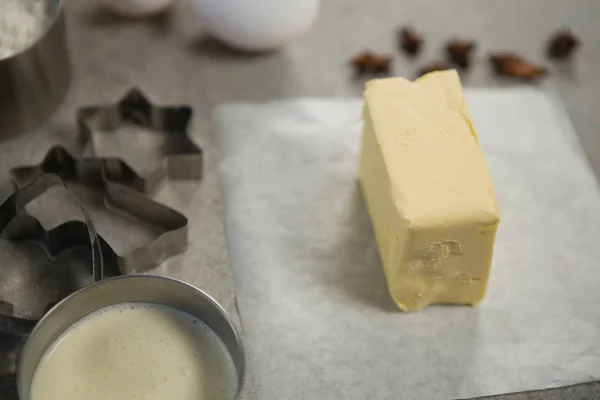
[[22, 289], [105, 178], [151, 139]]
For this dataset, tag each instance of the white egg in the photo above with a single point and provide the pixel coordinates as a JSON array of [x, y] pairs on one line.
[[137, 8], [257, 25]]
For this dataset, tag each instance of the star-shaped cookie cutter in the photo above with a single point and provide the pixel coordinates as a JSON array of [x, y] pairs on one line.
[[16, 224], [111, 178], [181, 158]]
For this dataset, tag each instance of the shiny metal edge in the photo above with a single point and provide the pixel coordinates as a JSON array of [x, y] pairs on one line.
[[241, 371], [36, 79]]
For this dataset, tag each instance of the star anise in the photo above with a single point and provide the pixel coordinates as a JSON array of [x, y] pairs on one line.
[[368, 62], [562, 45], [432, 67], [515, 66], [459, 52], [409, 41]]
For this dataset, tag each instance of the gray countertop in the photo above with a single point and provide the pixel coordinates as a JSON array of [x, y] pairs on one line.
[[172, 59]]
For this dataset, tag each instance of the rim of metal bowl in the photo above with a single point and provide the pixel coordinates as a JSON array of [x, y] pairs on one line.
[[241, 373], [53, 14]]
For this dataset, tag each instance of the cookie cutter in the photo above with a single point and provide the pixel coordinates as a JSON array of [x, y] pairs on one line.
[[17, 225], [180, 157], [111, 178]]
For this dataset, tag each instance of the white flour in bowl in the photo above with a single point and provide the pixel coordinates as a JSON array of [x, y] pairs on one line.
[[22, 22]]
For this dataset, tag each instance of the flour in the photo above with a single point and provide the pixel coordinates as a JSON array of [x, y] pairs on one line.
[[22, 22]]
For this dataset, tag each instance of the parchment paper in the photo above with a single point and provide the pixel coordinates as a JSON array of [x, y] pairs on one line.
[[310, 288]]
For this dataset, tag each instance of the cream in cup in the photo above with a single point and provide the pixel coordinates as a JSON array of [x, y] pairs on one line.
[[143, 350]]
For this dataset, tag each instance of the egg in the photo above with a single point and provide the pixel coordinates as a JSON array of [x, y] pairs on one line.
[[137, 8], [257, 25]]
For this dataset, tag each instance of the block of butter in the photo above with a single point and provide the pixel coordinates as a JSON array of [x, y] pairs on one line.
[[428, 191]]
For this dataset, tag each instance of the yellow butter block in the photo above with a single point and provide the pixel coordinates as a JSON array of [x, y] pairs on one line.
[[428, 191]]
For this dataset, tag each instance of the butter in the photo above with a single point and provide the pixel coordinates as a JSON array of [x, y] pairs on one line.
[[428, 191]]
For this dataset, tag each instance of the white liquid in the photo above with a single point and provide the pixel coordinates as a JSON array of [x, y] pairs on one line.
[[136, 351]]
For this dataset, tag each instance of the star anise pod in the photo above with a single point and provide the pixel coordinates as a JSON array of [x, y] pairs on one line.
[[515, 66], [562, 45], [368, 62], [432, 67], [459, 52], [409, 41]]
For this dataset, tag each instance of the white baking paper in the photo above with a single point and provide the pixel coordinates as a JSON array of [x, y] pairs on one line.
[[315, 309]]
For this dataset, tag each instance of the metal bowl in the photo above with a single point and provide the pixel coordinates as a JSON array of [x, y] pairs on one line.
[[34, 81], [133, 288]]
